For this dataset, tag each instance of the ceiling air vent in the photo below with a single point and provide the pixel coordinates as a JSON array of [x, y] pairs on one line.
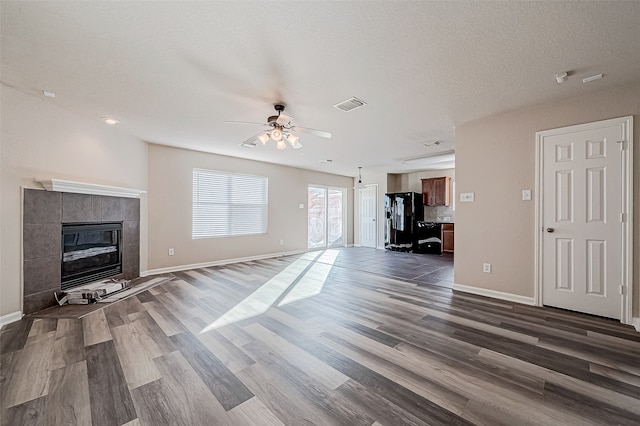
[[350, 104]]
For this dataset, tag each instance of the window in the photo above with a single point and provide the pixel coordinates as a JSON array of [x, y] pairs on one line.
[[228, 204], [325, 217]]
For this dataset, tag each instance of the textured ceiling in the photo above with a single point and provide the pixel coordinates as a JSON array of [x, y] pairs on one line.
[[173, 72]]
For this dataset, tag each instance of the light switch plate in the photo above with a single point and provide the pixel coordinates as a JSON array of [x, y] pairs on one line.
[[467, 197], [301, 206], [526, 195]]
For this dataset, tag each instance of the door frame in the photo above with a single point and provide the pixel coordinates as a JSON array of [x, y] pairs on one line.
[[627, 209], [326, 206], [375, 211]]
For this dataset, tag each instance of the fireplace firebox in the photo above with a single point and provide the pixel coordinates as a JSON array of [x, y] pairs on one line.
[[90, 252]]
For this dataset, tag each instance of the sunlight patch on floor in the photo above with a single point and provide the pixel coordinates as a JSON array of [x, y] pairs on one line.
[[264, 297], [313, 280]]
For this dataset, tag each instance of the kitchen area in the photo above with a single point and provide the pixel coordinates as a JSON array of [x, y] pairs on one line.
[[420, 212]]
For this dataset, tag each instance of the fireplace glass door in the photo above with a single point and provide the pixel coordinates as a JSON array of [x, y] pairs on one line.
[[90, 252]]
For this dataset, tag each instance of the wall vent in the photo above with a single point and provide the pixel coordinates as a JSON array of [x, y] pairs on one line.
[[350, 104]]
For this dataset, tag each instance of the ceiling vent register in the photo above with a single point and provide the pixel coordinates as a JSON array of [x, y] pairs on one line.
[[350, 104]]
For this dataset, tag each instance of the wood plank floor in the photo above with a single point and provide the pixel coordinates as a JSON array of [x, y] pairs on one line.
[[325, 338]]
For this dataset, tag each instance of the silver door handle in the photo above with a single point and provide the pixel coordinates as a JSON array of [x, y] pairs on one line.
[[550, 230]]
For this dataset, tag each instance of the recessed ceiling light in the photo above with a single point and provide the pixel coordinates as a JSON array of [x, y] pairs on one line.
[[592, 78], [110, 120], [49, 94]]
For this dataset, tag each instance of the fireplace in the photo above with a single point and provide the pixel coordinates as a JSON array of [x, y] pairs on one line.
[[90, 252], [113, 227]]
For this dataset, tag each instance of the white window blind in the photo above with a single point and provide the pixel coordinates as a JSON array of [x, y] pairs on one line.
[[228, 204]]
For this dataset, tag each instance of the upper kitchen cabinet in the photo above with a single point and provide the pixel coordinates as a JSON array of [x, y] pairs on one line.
[[436, 191]]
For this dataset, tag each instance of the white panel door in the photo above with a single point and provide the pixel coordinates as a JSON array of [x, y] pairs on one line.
[[582, 236], [368, 222]]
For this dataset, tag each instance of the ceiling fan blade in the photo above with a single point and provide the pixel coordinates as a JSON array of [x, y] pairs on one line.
[[316, 132], [246, 122], [283, 119], [251, 142]]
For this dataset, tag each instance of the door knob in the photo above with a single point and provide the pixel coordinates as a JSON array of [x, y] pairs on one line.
[[550, 230]]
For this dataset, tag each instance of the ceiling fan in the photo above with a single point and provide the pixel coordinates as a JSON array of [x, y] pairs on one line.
[[280, 130]]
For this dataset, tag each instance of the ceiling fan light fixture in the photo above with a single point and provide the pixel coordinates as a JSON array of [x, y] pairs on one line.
[[276, 135], [279, 130], [264, 138], [293, 140]]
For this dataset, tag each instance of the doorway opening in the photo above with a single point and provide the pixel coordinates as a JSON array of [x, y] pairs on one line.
[[368, 202], [326, 217]]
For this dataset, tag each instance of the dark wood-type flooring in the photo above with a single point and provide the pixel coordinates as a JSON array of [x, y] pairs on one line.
[[351, 337]]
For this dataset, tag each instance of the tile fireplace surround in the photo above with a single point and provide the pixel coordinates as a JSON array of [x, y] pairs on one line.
[[43, 215]]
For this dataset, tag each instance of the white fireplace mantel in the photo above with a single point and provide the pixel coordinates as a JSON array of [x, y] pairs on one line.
[[60, 185]]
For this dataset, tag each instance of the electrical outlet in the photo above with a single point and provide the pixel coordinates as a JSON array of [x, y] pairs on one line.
[[526, 195], [486, 267], [171, 252], [467, 197]]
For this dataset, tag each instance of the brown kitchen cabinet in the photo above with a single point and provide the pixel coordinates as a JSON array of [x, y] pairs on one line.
[[447, 237], [436, 191]]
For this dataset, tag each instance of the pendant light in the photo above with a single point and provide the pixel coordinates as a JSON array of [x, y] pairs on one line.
[[360, 185]]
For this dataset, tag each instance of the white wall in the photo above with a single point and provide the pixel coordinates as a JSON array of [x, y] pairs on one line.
[[170, 201], [41, 140]]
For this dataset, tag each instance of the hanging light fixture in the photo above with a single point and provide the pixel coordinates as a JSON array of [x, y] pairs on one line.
[[360, 185]]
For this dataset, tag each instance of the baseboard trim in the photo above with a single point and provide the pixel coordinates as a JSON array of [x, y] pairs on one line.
[[217, 263], [636, 323], [9, 318], [495, 294]]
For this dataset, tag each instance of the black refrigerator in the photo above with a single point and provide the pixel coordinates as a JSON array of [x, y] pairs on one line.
[[402, 212]]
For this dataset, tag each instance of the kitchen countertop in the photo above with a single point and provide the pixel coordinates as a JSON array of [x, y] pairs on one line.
[[436, 221]]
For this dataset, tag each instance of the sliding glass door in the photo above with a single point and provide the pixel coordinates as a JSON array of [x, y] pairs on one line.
[[326, 217]]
